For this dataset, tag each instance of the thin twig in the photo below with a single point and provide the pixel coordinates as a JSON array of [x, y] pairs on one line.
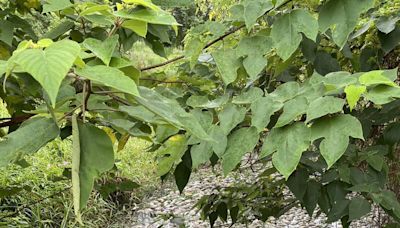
[[106, 92], [162, 64], [15, 120], [209, 44], [69, 113], [161, 81], [205, 47], [115, 97]]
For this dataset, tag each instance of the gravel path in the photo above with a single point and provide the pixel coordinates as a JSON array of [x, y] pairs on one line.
[[167, 208]]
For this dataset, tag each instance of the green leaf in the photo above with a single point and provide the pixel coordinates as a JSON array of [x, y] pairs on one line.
[[182, 172], [99, 10], [173, 3], [338, 211], [379, 77], [230, 117], [387, 24], [248, 97], [145, 3], [287, 31], [336, 81], [6, 32], [150, 16], [170, 153], [139, 27], [336, 132], [292, 109], [311, 196], [324, 106], [228, 64], [56, 5], [353, 94], [296, 183], [3, 67], [93, 155], [102, 49], [201, 153], [220, 140], [50, 66], [253, 9], [388, 200], [358, 208], [382, 94], [193, 48], [342, 16], [111, 77], [253, 50], [171, 111], [203, 102], [389, 41], [289, 143], [27, 139], [240, 142], [262, 110], [325, 63], [286, 91], [143, 114], [60, 29]]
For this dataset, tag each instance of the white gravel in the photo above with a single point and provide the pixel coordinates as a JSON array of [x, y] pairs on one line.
[[167, 208]]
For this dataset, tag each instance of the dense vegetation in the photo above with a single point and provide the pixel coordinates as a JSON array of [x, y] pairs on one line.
[[308, 88]]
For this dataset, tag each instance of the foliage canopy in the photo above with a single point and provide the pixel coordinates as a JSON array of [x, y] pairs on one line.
[[307, 85]]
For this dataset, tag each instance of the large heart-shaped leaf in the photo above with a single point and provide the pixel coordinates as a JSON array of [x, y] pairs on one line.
[[150, 16], [145, 3], [336, 132], [171, 111], [287, 31], [228, 63], [50, 66], [102, 49], [292, 109], [56, 5], [379, 77], [262, 110], [239, 143], [139, 27], [253, 50], [341, 16], [230, 116], [289, 143], [28, 139], [253, 9], [170, 153], [324, 106], [93, 155], [111, 77]]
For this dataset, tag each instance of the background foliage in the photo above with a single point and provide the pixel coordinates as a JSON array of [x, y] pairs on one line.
[[308, 88]]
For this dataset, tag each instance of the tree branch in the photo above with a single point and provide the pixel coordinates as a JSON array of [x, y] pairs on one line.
[[209, 44], [162, 64], [15, 120], [161, 81], [205, 47]]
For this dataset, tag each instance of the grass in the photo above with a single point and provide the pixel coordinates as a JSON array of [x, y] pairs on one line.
[[44, 200]]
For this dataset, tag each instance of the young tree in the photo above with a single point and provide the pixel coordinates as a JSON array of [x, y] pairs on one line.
[[304, 85]]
